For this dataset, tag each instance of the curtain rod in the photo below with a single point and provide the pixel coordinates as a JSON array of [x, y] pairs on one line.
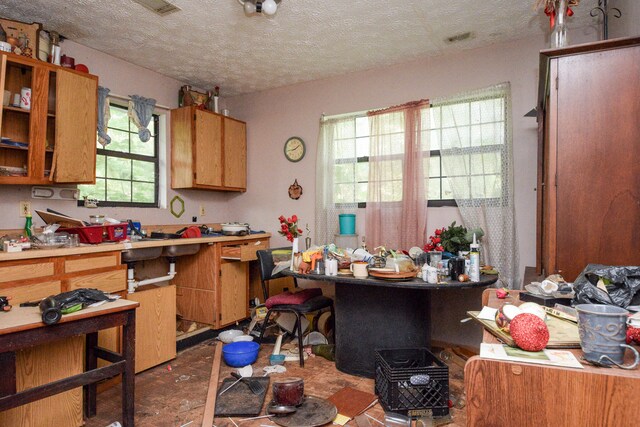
[[126, 98]]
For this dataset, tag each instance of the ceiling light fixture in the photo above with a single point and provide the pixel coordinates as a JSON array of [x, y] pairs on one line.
[[268, 7]]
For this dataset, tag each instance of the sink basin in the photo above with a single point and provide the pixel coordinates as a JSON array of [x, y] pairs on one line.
[[141, 254], [180, 250]]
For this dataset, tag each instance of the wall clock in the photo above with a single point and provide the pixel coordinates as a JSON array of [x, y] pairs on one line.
[[294, 149]]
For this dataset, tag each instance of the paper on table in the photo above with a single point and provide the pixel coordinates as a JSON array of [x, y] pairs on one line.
[[487, 313], [544, 357]]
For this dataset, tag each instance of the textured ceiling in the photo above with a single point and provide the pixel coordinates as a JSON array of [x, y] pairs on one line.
[[212, 42]]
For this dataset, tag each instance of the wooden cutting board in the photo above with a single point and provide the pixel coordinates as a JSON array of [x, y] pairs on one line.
[[562, 333]]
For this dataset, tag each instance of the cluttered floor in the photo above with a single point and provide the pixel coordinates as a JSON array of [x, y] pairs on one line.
[[174, 394]]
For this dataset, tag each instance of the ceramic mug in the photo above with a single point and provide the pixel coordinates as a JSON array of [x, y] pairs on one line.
[[603, 330], [359, 269]]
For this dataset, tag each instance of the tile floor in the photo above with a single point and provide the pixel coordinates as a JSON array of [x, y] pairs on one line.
[[174, 393]]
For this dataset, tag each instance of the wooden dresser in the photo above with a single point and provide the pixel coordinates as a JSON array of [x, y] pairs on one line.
[[589, 146]]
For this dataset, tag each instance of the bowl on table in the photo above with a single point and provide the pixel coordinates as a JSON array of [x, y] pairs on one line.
[[241, 338], [238, 354]]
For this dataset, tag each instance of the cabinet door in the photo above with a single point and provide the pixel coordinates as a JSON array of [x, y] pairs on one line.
[[598, 172], [155, 326], [235, 154], [74, 157], [208, 150], [234, 283]]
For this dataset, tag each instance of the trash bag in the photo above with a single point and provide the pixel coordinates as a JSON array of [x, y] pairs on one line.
[[622, 283]]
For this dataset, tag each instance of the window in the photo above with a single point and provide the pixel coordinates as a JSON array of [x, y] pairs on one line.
[[127, 169], [478, 126]]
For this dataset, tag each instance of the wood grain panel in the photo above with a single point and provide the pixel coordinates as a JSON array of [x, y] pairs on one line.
[[200, 271], [598, 174], [76, 118], [38, 124], [32, 292], [90, 263], [182, 147], [234, 292], [509, 394], [109, 281], [26, 271], [235, 154], [245, 251], [42, 364], [196, 305], [208, 146], [155, 325]]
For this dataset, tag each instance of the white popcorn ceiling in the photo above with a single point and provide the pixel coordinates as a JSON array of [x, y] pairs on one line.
[[212, 42]]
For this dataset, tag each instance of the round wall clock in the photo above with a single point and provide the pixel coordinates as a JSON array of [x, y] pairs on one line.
[[294, 149]]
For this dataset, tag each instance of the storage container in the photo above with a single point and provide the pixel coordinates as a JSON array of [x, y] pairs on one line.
[[89, 234], [347, 223], [412, 381]]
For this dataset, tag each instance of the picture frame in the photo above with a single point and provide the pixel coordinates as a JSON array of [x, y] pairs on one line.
[[24, 34]]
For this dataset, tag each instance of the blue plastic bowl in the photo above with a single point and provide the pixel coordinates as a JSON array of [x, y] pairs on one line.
[[242, 353]]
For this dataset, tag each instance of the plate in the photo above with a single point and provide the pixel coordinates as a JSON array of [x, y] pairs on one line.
[[313, 412], [394, 275], [345, 272]]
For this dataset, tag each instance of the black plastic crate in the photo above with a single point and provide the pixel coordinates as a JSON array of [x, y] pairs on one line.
[[412, 381]]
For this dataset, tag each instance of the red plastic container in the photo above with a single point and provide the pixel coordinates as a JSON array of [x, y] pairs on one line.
[[94, 234], [115, 232]]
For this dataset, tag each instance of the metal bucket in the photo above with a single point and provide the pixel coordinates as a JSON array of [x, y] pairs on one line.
[[602, 334]]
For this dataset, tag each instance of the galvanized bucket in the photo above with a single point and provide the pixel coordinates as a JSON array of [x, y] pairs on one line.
[[602, 334]]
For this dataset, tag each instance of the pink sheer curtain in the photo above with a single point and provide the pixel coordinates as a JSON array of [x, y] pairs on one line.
[[396, 212]]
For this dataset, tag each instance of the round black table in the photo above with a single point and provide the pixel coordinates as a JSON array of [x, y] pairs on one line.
[[376, 314]]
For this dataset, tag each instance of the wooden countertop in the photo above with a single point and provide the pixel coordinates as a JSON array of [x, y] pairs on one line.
[[124, 245]]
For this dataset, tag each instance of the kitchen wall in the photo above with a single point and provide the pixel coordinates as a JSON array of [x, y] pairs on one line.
[[275, 115], [125, 79]]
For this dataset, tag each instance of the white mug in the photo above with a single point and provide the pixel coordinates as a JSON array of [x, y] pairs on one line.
[[359, 269], [25, 98], [331, 267]]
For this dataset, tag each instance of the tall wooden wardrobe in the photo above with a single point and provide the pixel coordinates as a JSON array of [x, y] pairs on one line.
[[589, 157]]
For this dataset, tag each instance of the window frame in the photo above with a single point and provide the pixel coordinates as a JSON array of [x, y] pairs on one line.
[[155, 137]]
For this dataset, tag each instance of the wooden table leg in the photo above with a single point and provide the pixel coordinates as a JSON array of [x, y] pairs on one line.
[[8, 369], [128, 376], [91, 362]]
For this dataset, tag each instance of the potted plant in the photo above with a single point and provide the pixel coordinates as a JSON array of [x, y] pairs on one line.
[[453, 239]]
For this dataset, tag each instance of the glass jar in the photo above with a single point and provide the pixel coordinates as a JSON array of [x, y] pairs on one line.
[[559, 33]]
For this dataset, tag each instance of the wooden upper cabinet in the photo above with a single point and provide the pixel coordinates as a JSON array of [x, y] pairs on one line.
[[75, 128], [208, 151], [589, 174], [54, 140], [235, 153]]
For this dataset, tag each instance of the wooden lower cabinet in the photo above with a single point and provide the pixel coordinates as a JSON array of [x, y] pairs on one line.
[[213, 286], [155, 325], [234, 292]]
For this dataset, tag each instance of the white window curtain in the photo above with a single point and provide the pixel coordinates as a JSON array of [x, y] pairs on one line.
[[396, 212], [477, 158], [336, 133]]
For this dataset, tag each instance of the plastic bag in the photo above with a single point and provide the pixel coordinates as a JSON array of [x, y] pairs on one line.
[[623, 286]]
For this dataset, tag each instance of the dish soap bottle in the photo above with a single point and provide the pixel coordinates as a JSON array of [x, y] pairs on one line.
[[28, 225], [474, 261]]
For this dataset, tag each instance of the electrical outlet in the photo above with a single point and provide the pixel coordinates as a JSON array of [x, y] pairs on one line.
[[25, 208], [202, 211]]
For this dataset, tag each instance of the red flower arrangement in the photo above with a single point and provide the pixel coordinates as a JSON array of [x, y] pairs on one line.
[[435, 242], [289, 227]]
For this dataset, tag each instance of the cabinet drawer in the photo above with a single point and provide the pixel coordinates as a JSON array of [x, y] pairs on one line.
[[26, 271], [71, 265], [244, 252], [33, 292], [110, 281]]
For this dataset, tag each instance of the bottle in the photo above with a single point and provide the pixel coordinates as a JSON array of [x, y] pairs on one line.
[[474, 258], [28, 225], [54, 52]]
